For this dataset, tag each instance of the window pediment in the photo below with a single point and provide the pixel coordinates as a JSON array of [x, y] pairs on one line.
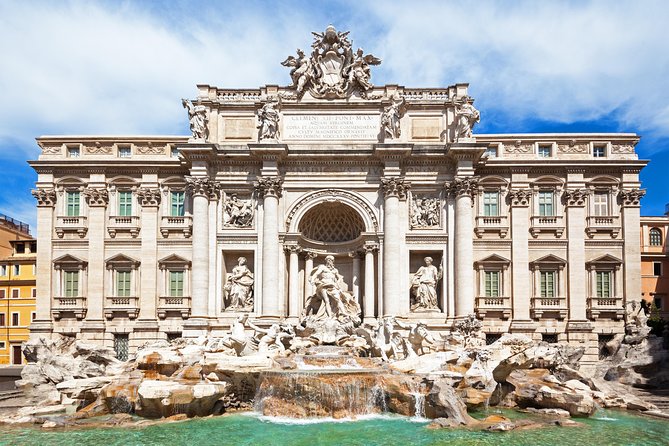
[[606, 261], [548, 261], [121, 260], [493, 261], [173, 260], [69, 261]]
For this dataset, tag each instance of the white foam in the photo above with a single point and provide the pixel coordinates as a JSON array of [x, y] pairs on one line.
[[304, 421]]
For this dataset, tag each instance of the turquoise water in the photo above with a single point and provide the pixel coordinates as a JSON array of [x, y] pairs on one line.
[[606, 428]]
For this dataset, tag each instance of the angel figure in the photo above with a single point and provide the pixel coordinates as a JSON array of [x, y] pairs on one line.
[[390, 119], [197, 115], [302, 71], [269, 121], [359, 69]]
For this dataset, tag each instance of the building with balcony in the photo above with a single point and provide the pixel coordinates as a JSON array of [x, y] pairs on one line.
[[152, 237], [655, 262]]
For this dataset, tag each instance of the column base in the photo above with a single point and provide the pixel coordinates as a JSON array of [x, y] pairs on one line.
[[579, 326], [523, 326], [195, 327]]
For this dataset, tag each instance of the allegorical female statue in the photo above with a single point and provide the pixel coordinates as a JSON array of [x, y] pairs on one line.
[[239, 288], [424, 286]]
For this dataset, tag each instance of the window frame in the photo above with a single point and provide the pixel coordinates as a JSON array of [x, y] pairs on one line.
[[655, 237], [175, 286], [491, 286], [177, 208], [124, 151], [125, 203], [550, 205], [17, 315], [72, 205], [598, 205], [123, 282], [488, 206], [544, 291], [71, 279], [600, 291], [544, 150]]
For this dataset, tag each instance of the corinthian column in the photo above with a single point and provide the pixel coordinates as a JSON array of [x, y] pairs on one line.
[[46, 200], [200, 188], [293, 280], [394, 188], [368, 303], [270, 189], [463, 189]]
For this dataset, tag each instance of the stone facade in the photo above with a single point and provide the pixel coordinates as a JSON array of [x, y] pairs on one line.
[[655, 263], [534, 233]]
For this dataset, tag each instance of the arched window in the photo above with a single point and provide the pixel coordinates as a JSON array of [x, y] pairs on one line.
[[655, 237]]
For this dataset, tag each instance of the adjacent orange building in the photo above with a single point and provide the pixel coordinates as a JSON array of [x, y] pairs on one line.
[[655, 262], [17, 287]]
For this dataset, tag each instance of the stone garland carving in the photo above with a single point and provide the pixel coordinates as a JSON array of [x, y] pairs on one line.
[[424, 287], [269, 186], [395, 186], [519, 147], [148, 197], [572, 147], [197, 115], [99, 149], [51, 150], [238, 288], [462, 186], [390, 119], [622, 148], [268, 121], [237, 213], [519, 197], [424, 212], [333, 70], [44, 197], [575, 197], [466, 117], [631, 197], [150, 149], [95, 196]]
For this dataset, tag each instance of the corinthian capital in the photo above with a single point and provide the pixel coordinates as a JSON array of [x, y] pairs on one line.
[[203, 186], [96, 196], [519, 197], [575, 197], [269, 186], [148, 197], [462, 186], [631, 197], [395, 187], [45, 197]]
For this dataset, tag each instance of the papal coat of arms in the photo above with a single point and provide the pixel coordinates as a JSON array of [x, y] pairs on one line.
[[333, 70]]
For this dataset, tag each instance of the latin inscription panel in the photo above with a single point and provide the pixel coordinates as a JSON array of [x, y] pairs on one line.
[[330, 127]]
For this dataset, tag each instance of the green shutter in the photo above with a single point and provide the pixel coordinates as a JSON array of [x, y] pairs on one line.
[[73, 204], [177, 204], [71, 283], [123, 283], [490, 204], [125, 203], [176, 283]]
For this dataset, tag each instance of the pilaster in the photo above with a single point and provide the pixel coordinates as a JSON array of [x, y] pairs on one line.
[[519, 200], [394, 189], [97, 199], [270, 189], [46, 202]]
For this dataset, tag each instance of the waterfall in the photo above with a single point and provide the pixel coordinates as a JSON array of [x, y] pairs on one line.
[[417, 391], [322, 393]]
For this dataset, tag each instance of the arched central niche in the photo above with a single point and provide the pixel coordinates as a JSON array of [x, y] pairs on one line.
[[331, 222]]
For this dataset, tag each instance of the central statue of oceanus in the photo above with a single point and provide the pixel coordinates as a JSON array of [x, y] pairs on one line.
[[333, 70]]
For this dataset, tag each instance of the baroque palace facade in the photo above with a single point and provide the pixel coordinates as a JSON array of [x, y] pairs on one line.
[[157, 237]]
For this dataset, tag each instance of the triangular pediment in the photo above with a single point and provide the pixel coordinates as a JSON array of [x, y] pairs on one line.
[[69, 259], [493, 259], [173, 259], [121, 259], [606, 259], [549, 259]]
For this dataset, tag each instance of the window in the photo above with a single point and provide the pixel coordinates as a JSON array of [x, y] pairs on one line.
[[3, 270], [123, 283], [655, 237], [34, 269], [17, 270], [544, 150], [33, 247], [2, 320], [124, 152], [33, 316], [34, 292], [490, 204], [601, 203], [72, 203], [121, 346], [657, 268], [603, 283], [125, 203], [599, 151], [174, 152], [20, 248], [173, 336], [177, 203], [491, 152], [551, 338], [602, 341], [15, 320], [15, 293], [546, 203], [491, 283], [3, 345], [547, 283], [71, 279], [176, 283], [491, 338], [2, 294], [73, 152]]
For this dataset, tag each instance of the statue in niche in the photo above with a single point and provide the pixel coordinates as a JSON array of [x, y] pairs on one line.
[[302, 70], [424, 286], [239, 288], [237, 213], [197, 115], [390, 119], [424, 212], [466, 117], [268, 126], [330, 300]]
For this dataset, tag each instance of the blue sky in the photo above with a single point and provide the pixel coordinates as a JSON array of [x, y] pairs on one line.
[[115, 67]]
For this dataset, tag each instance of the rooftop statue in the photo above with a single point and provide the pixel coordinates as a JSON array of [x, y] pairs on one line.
[[197, 115], [333, 70], [466, 117]]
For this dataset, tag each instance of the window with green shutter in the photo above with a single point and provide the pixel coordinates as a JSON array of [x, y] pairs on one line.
[[71, 280], [546, 204], [491, 204], [72, 203], [125, 203], [491, 283], [177, 203], [123, 283], [603, 282], [176, 283], [547, 283]]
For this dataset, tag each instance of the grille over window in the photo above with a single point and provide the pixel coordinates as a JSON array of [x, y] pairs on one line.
[[331, 223]]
